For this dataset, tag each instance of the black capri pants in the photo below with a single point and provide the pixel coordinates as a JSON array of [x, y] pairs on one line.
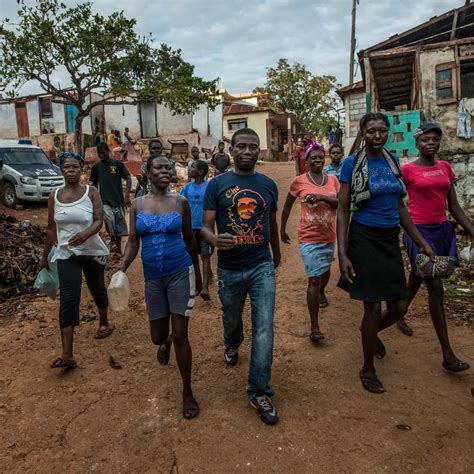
[[70, 282]]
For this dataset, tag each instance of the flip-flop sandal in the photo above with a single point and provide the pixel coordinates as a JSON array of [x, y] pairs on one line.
[[380, 351], [61, 362], [316, 336], [324, 303], [163, 353], [458, 366], [104, 331], [190, 408], [371, 383], [404, 328]]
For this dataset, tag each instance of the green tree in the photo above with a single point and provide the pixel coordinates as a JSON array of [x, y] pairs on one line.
[[313, 99], [99, 54]]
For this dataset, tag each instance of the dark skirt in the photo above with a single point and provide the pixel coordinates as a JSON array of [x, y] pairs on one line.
[[441, 238], [377, 260]]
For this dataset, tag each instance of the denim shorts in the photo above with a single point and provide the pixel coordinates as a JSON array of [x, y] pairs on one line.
[[317, 257], [173, 294], [115, 223]]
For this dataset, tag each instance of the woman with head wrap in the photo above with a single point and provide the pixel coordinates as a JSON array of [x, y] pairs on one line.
[[317, 192], [74, 219]]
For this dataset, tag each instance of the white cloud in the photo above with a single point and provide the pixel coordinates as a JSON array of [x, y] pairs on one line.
[[238, 40]]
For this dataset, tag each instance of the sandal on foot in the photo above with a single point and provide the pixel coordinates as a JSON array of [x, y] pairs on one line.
[[404, 328], [63, 362], [105, 330], [316, 336], [380, 351], [458, 366], [190, 408], [371, 383], [163, 353]]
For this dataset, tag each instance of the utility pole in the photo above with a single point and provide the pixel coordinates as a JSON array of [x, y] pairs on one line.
[[353, 41]]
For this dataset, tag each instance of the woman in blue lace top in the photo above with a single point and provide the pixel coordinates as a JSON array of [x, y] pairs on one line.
[[162, 222]]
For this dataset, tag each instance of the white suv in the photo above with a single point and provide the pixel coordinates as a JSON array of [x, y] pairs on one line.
[[26, 173]]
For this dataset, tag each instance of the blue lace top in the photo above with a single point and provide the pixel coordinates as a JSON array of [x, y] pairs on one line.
[[163, 249]]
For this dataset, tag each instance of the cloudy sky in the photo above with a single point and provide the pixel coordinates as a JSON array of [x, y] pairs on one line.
[[237, 40]]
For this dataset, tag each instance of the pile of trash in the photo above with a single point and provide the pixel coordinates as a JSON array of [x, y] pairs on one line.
[[21, 246]]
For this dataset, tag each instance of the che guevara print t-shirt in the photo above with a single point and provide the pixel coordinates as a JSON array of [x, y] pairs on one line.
[[243, 205]]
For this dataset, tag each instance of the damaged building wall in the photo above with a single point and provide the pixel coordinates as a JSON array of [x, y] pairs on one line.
[[169, 124], [117, 117], [446, 115], [458, 151], [209, 122], [8, 128]]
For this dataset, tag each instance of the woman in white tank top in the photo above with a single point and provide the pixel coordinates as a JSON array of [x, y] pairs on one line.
[[75, 217]]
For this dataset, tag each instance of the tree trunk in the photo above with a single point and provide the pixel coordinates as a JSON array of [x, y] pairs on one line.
[[78, 134]]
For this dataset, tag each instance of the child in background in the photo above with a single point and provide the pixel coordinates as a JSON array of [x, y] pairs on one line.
[[194, 192]]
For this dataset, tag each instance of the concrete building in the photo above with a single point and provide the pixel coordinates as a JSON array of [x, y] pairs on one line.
[[274, 128], [425, 74]]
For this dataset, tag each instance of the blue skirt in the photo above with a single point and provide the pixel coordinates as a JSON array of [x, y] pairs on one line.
[[317, 257], [440, 237]]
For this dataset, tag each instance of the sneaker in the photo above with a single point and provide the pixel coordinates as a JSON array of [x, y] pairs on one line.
[[264, 406], [231, 356]]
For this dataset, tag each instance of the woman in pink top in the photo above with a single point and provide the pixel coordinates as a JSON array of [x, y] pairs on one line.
[[317, 192], [429, 184]]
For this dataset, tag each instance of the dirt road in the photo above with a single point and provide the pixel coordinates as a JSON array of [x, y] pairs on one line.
[[96, 418]]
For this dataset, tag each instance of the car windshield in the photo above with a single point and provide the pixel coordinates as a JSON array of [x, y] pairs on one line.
[[25, 156]]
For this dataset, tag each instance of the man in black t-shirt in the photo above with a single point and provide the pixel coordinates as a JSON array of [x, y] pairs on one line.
[[243, 204], [221, 160], [107, 175]]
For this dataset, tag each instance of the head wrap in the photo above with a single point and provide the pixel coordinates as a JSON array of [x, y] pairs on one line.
[[70, 154]]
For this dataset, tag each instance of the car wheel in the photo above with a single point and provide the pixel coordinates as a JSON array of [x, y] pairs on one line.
[[9, 197]]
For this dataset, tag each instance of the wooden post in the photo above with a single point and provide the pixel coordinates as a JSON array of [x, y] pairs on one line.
[[353, 42], [290, 137]]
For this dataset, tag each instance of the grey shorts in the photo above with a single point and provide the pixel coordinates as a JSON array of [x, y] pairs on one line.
[[115, 223], [173, 294]]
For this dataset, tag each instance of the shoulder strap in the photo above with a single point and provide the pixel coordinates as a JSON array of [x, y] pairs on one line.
[[140, 204], [177, 202]]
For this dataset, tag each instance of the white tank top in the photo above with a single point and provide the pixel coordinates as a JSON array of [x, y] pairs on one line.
[[71, 219]]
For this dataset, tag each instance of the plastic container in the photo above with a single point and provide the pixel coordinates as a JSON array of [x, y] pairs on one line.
[[119, 292]]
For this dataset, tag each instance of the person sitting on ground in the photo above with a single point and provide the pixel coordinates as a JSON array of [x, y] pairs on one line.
[[335, 153], [317, 192], [430, 185], [370, 260], [162, 222], [126, 137], [110, 137], [194, 192], [74, 221], [155, 148], [107, 175], [117, 146], [220, 160]]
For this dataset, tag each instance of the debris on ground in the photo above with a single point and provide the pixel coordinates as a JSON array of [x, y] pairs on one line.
[[21, 247]]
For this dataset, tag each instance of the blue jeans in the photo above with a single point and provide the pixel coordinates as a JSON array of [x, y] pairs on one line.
[[259, 283]]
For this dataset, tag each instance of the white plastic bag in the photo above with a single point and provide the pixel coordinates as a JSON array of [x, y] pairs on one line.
[[118, 292]]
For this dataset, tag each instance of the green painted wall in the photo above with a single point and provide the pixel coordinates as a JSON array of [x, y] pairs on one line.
[[400, 139]]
